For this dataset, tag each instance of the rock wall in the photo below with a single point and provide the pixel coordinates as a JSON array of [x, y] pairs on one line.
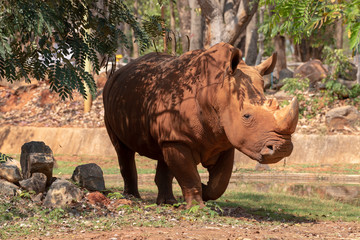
[[314, 149], [68, 141]]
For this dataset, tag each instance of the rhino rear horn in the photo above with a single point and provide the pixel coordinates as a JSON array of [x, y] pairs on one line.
[[268, 65], [287, 117]]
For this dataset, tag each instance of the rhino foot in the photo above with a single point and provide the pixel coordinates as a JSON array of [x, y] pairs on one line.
[[166, 200], [128, 194]]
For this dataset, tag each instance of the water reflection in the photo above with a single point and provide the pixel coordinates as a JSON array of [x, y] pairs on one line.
[[348, 193]]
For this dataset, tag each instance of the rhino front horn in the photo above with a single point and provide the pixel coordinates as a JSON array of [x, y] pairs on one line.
[[287, 117]]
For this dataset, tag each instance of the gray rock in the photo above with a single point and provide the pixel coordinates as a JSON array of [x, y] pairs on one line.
[[61, 193], [285, 73], [89, 176], [36, 183], [36, 157], [346, 116], [10, 171], [37, 198], [7, 188]]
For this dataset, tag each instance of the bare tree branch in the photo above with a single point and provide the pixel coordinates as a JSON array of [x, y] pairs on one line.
[[244, 16]]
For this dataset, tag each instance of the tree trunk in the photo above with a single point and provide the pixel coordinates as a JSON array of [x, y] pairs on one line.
[[304, 52], [251, 42], [339, 32], [196, 34], [357, 57], [226, 20], [165, 37], [88, 100], [261, 37], [185, 23], [135, 45], [173, 28], [280, 48], [245, 13]]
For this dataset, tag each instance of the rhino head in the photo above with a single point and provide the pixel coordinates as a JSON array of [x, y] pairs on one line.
[[253, 124]]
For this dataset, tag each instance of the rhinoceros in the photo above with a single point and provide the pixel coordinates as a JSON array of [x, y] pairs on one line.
[[195, 108]]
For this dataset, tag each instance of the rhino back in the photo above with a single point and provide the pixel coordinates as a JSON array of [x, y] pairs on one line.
[[145, 101]]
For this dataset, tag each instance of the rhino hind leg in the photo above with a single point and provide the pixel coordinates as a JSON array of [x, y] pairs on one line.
[[219, 176], [163, 180], [126, 159], [181, 163]]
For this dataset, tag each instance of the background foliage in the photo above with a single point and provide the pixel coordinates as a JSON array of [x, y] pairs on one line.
[[301, 19], [53, 39]]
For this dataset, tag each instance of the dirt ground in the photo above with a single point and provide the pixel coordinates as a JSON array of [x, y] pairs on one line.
[[264, 230], [250, 227]]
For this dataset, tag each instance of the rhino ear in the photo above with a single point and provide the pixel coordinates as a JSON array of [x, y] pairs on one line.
[[235, 59], [268, 65]]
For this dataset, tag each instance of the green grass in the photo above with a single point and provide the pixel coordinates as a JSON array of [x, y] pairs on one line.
[[20, 217], [285, 207]]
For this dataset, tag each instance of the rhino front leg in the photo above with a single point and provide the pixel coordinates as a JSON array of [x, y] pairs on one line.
[[179, 158], [163, 180], [219, 176]]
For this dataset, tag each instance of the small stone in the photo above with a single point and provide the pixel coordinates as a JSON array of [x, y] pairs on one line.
[[36, 183], [37, 198], [89, 176], [62, 192], [7, 188], [10, 171]]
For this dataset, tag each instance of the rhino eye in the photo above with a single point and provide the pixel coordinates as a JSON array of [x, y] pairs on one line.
[[247, 116]]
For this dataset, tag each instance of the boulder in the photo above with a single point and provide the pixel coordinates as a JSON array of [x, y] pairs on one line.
[[346, 116], [62, 192], [36, 183], [314, 70], [7, 188], [285, 73], [36, 157], [89, 176], [10, 171]]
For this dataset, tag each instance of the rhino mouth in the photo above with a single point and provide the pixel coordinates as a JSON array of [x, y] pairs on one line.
[[273, 153]]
